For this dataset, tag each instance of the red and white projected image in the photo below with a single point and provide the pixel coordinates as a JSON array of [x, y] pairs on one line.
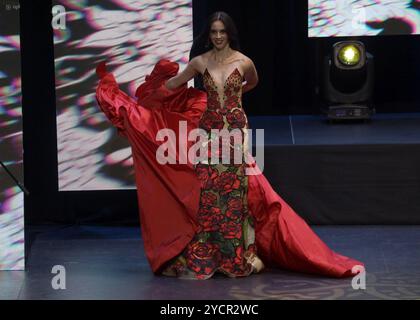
[[342, 18], [131, 36]]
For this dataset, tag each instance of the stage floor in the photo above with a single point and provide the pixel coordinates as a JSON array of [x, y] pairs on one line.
[[109, 263], [384, 128]]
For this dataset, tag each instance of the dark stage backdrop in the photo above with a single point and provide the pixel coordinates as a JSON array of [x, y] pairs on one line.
[[273, 33]]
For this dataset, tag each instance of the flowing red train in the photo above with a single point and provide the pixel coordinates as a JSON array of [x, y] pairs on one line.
[[168, 195]]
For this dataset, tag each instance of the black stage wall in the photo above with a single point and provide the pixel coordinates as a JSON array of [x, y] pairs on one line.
[[364, 184], [272, 33]]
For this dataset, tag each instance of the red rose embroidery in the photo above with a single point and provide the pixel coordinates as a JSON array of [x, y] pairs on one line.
[[227, 265], [213, 102], [223, 111], [208, 199], [200, 257], [232, 102], [210, 218], [239, 255], [202, 250], [207, 175], [211, 120], [227, 182], [231, 230], [236, 118], [234, 210], [203, 173]]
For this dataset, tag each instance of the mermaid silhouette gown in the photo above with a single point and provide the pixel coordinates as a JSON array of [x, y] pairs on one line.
[[207, 216]]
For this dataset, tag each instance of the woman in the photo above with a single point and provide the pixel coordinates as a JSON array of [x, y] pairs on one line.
[[209, 216]]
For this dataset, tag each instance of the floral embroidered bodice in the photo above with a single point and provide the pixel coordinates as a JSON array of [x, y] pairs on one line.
[[224, 107], [231, 87]]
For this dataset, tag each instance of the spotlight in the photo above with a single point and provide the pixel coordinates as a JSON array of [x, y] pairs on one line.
[[348, 81], [349, 55]]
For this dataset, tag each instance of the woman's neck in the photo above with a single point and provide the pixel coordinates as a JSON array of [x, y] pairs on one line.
[[220, 56]]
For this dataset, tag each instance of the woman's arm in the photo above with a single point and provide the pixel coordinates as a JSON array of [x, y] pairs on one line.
[[183, 77], [250, 75]]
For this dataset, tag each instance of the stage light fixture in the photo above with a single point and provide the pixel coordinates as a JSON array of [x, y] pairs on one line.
[[348, 81], [349, 55]]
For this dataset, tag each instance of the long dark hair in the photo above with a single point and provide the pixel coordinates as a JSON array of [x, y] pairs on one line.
[[202, 43]]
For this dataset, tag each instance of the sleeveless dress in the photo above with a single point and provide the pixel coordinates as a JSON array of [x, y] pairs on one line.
[[226, 232], [200, 218]]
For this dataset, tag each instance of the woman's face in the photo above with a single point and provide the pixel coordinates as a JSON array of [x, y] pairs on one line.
[[218, 35]]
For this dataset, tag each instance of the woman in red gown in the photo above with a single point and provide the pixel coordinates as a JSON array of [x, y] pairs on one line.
[[209, 216]]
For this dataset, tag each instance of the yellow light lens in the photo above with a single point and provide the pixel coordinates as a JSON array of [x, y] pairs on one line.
[[349, 55]]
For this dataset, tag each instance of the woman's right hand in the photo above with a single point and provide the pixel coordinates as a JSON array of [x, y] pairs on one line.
[[168, 84]]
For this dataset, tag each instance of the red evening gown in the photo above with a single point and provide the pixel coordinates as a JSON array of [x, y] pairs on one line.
[[201, 218]]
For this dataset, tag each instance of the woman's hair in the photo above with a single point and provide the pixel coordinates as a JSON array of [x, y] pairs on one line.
[[202, 43]]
